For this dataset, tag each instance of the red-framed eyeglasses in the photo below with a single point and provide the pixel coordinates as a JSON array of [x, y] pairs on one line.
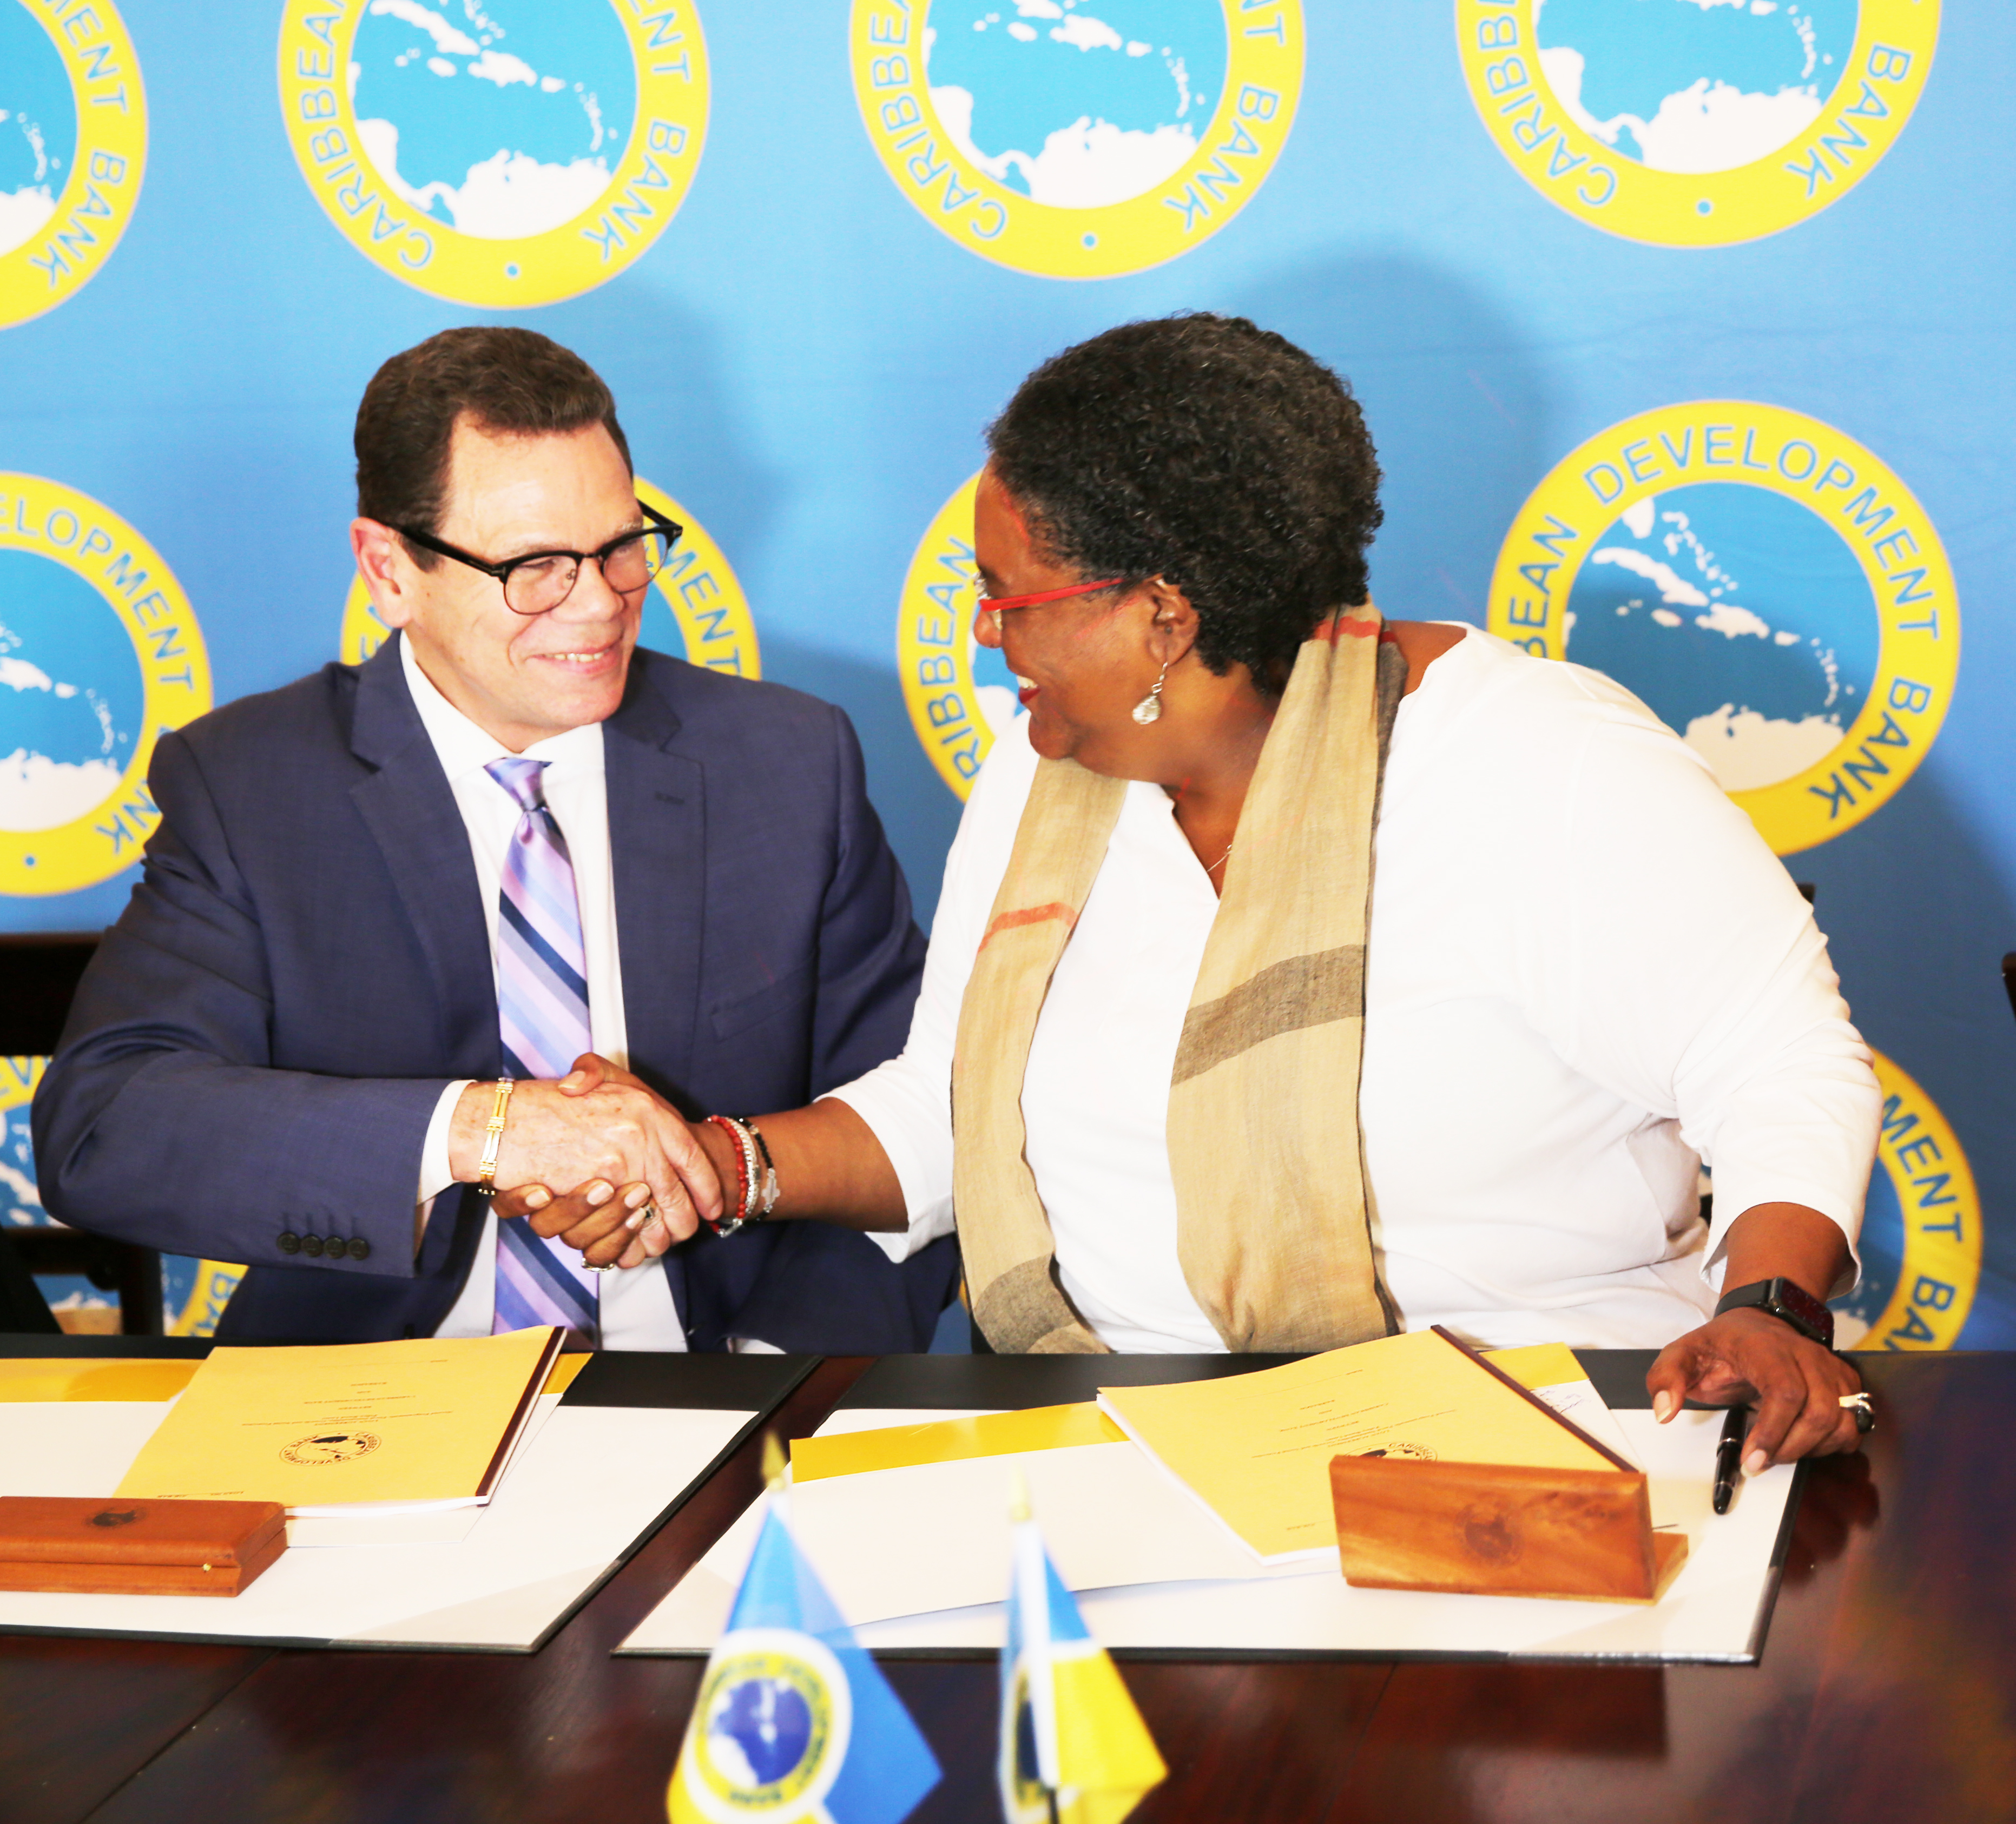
[[995, 604]]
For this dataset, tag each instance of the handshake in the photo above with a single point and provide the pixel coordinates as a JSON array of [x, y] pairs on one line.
[[595, 1159]]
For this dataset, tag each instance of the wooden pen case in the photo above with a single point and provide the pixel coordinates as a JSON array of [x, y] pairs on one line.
[[1491, 1529], [118, 1547]]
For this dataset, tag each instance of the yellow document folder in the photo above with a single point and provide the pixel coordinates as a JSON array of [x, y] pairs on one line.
[[1255, 1448], [951, 1441], [429, 1420]]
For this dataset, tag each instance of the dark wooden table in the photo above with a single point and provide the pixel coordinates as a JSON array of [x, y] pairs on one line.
[[1887, 1692]]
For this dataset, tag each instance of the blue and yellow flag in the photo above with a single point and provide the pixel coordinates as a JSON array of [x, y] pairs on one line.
[[1074, 1749], [794, 1723]]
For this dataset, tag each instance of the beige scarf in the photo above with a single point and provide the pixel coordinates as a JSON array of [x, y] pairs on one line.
[[1271, 1216]]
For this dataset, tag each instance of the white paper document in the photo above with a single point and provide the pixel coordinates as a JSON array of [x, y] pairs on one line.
[[1579, 1403], [1711, 1612], [584, 1484]]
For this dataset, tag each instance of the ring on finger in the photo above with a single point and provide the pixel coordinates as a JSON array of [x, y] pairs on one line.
[[1865, 1417]]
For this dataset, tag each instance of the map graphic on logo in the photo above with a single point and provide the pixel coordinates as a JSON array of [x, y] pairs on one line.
[[38, 127], [100, 655], [1764, 584], [509, 129], [1695, 123], [20, 1202], [71, 696], [757, 1731], [72, 146], [1632, 76], [1740, 617], [1070, 109], [495, 152], [1078, 139]]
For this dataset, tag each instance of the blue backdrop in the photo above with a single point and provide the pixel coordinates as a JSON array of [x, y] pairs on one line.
[[1628, 287]]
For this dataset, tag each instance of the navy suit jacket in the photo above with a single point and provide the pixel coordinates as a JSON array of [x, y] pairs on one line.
[[256, 1048]]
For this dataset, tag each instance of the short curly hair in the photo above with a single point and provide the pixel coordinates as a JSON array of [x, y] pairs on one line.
[[1211, 452]]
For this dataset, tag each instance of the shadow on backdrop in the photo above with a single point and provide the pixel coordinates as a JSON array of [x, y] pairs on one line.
[[1456, 406], [683, 429]]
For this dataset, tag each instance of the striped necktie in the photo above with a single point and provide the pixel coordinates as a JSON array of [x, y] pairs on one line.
[[543, 1019]]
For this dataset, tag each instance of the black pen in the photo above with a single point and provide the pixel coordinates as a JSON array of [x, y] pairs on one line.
[[1728, 1454]]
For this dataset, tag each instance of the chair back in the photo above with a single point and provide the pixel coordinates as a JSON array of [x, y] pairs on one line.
[[39, 972]]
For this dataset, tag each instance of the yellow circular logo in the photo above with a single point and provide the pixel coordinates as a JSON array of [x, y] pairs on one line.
[[1920, 1242], [20, 1201], [73, 148], [960, 693], [1689, 124], [1072, 140], [1765, 584], [514, 153], [770, 1730], [84, 706], [194, 1293], [708, 612]]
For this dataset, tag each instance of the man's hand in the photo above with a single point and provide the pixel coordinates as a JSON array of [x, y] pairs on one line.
[[590, 1213], [1748, 1358], [605, 1126]]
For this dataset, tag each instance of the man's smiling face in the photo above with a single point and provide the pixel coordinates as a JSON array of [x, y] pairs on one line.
[[523, 677]]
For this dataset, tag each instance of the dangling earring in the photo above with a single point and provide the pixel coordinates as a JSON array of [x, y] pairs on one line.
[[1149, 708]]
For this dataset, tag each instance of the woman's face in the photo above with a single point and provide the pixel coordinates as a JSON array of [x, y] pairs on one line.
[[1081, 665]]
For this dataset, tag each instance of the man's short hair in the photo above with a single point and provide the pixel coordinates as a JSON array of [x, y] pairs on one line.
[[513, 381]]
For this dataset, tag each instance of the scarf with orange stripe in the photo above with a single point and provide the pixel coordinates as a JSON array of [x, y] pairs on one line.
[[1271, 1206]]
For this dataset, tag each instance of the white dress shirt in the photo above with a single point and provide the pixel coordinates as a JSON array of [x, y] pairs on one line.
[[637, 1307], [1586, 974]]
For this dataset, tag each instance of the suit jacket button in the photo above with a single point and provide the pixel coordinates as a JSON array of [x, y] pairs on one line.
[[290, 1243], [360, 1249], [311, 1244]]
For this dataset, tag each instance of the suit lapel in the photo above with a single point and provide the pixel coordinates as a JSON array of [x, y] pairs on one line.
[[657, 841], [411, 813], [657, 846]]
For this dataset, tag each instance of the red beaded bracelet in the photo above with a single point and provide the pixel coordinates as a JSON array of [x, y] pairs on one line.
[[743, 1174]]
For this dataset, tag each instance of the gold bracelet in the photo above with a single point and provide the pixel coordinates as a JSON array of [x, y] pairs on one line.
[[486, 1173]]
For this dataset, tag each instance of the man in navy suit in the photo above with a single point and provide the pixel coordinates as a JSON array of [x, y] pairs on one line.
[[288, 1051]]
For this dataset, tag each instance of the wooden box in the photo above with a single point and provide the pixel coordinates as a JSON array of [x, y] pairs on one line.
[[117, 1547], [1488, 1529]]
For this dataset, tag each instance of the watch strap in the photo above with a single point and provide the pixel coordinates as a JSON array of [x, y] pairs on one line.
[[1787, 1301]]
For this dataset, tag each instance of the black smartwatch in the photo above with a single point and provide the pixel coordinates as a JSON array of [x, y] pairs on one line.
[[1787, 1301]]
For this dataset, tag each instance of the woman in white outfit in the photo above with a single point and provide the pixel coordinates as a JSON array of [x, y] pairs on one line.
[[1299, 976]]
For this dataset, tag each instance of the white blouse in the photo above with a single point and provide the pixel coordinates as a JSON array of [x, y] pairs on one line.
[[1586, 976]]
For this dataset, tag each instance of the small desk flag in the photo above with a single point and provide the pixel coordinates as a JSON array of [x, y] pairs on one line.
[[794, 1723], [1074, 1749]]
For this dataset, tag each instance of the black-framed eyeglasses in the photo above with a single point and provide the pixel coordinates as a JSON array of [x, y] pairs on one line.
[[542, 581]]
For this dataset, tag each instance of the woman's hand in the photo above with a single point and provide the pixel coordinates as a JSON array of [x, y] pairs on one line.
[[1749, 1357], [612, 1225]]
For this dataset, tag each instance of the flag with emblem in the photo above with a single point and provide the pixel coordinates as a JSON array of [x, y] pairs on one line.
[[1074, 1749], [793, 1720]]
